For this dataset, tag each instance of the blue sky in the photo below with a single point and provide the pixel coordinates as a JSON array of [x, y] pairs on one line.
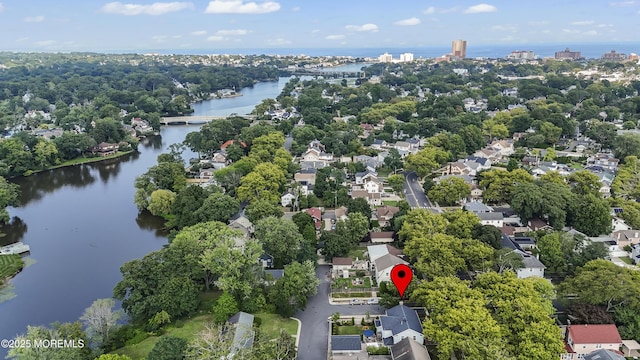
[[90, 25]]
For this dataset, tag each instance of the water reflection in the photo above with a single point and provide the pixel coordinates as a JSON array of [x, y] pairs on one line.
[[152, 142], [13, 231], [146, 221], [36, 186]]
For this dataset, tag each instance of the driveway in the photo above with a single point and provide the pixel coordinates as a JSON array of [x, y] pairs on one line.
[[314, 334], [414, 193]]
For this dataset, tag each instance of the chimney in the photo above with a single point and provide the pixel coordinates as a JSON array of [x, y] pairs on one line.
[[566, 333]]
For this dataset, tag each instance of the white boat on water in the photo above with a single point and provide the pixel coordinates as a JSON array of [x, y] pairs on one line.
[[16, 248]]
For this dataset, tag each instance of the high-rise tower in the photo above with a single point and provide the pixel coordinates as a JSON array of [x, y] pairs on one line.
[[459, 49]]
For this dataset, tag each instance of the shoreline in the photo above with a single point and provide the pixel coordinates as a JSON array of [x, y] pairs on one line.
[[76, 161]]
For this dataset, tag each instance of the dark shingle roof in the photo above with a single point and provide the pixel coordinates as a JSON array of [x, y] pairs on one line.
[[345, 343], [603, 354], [401, 318]]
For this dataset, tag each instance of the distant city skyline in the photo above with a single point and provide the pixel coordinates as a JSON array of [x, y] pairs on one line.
[[73, 25]]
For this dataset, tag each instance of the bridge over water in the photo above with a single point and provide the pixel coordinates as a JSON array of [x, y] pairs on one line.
[[197, 119]]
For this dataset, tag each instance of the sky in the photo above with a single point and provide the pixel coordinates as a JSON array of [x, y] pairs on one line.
[[138, 25]]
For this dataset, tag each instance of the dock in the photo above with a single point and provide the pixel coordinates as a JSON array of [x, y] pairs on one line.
[[16, 248]]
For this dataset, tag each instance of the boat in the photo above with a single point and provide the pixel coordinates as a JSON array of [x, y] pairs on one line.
[[15, 248]]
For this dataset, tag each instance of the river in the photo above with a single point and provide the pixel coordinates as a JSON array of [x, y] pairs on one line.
[[82, 225]]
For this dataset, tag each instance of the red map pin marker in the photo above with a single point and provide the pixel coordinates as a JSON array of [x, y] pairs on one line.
[[401, 276]]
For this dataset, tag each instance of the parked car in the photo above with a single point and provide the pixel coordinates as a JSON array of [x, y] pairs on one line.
[[355, 302], [374, 301]]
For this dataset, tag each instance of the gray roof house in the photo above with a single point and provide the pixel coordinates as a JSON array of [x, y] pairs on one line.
[[532, 266], [477, 207], [603, 354], [400, 322], [241, 323], [409, 349], [345, 344]]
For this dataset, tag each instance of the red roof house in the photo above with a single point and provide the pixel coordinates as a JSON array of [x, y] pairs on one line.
[[586, 338]]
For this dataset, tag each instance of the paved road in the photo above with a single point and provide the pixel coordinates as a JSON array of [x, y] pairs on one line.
[[414, 193], [314, 334]]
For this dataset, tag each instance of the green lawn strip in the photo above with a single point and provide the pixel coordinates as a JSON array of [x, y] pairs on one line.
[[85, 160], [626, 260], [9, 266], [272, 323], [390, 202], [341, 283], [357, 253], [188, 331], [349, 330], [351, 295]]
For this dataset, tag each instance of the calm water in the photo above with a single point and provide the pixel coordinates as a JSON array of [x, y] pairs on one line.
[[82, 225]]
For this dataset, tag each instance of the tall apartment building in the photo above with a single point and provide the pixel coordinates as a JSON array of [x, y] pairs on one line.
[[568, 55], [406, 57], [614, 56], [521, 55], [459, 49], [385, 58]]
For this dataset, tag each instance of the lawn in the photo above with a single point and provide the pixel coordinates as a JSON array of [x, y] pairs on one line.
[[9, 265], [341, 283], [390, 202], [626, 260], [188, 331], [349, 330], [357, 253], [272, 323], [351, 295]]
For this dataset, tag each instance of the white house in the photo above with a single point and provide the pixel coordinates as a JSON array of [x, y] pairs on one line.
[[287, 199], [361, 177], [400, 322], [491, 218], [383, 266], [373, 185]]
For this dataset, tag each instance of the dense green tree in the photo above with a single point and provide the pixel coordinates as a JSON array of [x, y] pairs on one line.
[[224, 307], [217, 207], [584, 182], [8, 197], [168, 348], [488, 234], [280, 238], [292, 291], [359, 205], [498, 184], [334, 245], [161, 202], [396, 182], [449, 191], [264, 182], [393, 161], [100, 320], [592, 218], [353, 228], [426, 160], [626, 145], [263, 208], [65, 331], [187, 202], [627, 182]]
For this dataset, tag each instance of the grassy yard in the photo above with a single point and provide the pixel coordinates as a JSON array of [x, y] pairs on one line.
[[86, 160], [390, 202], [188, 331], [357, 253], [351, 295], [349, 330], [342, 283], [9, 265], [626, 260], [272, 323]]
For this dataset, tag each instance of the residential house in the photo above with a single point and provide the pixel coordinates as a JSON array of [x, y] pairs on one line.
[[488, 153], [584, 339], [105, 149], [340, 265], [243, 224], [230, 142], [532, 266], [400, 322], [316, 215], [377, 251], [385, 213], [341, 213], [476, 192], [456, 168], [361, 177], [373, 199], [50, 133], [345, 344], [635, 253], [627, 237], [307, 180], [491, 218], [266, 261], [409, 349], [219, 160], [368, 161], [402, 146], [477, 207], [314, 155], [381, 237], [482, 163], [345, 159], [316, 145], [287, 199], [538, 224], [205, 174], [526, 243], [605, 160], [630, 348], [504, 147], [313, 165], [382, 266], [243, 334], [379, 144], [373, 185]]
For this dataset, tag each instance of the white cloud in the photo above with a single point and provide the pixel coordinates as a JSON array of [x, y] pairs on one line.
[[590, 33], [157, 8], [365, 27], [430, 10], [334, 37], [582, 23], [623, 3], [480, 8], [240, 7], [408, 22], [34, 19], [199, 33], [278, 42], [235, 32], [296, 9], [571, 31], [216, 38], [315, 31]]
